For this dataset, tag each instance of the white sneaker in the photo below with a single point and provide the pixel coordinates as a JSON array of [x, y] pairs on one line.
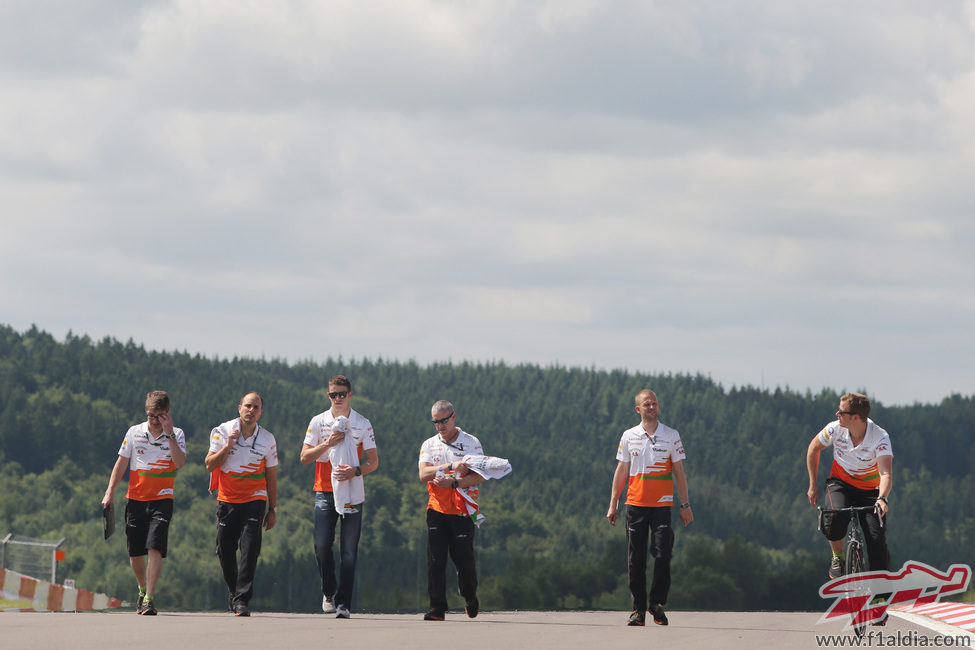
[[328, 605], [342, 612]]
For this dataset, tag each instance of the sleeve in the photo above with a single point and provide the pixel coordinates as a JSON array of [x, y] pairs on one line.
[[621, 455], [425, 453], [271, 456], [826, 435], [180, 439], [883, 449], [677, 454], [216, 439], [125, 451], [313, 434], [478, 450], [368, 436]]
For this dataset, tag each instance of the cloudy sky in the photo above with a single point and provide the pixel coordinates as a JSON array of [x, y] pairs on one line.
[[773, 194]]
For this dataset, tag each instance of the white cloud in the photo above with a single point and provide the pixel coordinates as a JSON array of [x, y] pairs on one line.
[[733, 189]]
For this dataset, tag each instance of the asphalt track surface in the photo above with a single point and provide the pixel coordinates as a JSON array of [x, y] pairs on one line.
[[508, 630]]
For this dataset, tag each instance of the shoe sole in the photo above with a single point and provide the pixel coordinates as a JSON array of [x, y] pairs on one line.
[[433, 618]]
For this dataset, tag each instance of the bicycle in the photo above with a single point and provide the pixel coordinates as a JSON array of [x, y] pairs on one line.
[[854, 546]]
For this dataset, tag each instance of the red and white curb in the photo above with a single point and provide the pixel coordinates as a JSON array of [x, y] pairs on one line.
[[32, 595], [952, 619]]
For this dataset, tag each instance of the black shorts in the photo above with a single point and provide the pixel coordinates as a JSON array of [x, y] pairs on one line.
[[147, 526], [840, 494]]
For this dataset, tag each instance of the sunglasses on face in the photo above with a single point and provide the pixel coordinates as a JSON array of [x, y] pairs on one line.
[[339, 394]]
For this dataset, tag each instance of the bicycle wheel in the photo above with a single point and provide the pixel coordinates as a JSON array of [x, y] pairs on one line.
[[855, 564], [854, 558]]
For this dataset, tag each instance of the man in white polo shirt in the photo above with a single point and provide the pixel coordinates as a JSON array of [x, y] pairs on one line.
[[343, 435], [450, 529], [650, 459], [861, 476], [152, 452], [243, 462]]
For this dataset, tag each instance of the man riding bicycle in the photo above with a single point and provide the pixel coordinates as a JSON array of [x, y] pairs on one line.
[[860, 476]]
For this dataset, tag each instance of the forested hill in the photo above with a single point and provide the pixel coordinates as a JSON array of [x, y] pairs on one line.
[[64, 407]]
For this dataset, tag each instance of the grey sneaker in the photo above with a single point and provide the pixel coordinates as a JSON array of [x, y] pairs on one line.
[[835, 568], [341, 611], [328, 604], [658, 615]]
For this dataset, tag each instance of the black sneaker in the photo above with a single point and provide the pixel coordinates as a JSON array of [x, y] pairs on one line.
[[138, 605], [835, 568], [658, 614], [637, 618], [473, 607], [434, 615], [148, 609], [240, 609]]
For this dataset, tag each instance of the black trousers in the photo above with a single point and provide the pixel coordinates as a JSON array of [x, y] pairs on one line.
[[453, 534], [239, 525], [651, 525], [840, 494]]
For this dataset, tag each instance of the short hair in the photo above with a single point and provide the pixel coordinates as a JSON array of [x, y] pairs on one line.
[[340, 380], [442, 405], [643, 393], [157, 400], [857, 404], [252, 392]]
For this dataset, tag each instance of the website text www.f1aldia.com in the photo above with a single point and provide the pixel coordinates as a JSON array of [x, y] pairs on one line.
[[880, 639]]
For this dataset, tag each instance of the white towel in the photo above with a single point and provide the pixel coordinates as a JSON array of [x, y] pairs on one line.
[[487, 466], [352, 492]]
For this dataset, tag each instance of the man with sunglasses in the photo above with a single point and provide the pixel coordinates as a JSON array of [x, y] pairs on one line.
[[861, 475], [342, 434], [152, 452], [243, 465], [450, 530]]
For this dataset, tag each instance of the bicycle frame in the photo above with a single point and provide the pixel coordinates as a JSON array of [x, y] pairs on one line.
[[854, 544]]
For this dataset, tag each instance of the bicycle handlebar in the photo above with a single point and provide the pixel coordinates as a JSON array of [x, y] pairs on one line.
[[850, 509]]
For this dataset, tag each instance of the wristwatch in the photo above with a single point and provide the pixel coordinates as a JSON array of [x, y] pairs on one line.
[[171, 436], [358, 470], [686, 506]]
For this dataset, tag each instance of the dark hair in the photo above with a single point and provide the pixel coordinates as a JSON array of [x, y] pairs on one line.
[[857, 404], [157, 400], [340, 380]]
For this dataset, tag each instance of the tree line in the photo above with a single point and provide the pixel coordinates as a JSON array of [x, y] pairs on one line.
[[65, 406]]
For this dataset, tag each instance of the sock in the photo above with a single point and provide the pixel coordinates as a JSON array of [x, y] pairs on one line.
[[142, 590]]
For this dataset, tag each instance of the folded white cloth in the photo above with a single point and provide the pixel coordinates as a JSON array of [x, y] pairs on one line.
[[345, 493], [487, 466]]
